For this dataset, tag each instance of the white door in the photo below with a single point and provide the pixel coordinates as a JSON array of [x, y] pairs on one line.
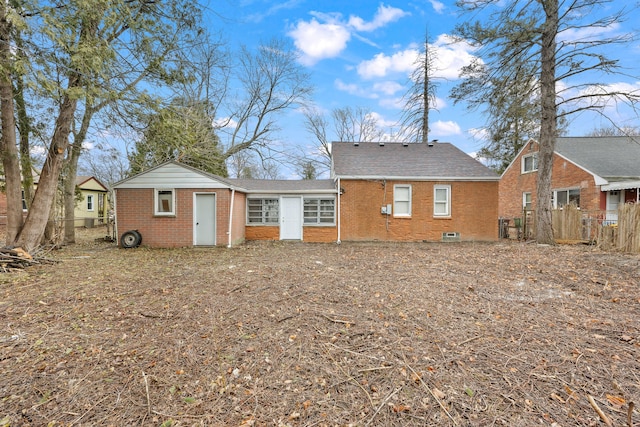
[[291, 218], [204, 220], [613, 200]]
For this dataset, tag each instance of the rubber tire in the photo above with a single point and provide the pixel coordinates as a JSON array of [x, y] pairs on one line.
[[130, 239]]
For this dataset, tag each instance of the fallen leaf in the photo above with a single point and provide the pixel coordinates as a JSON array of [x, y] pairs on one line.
[[401, 408], [616, 401]]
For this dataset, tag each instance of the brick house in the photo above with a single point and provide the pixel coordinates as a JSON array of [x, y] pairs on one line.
[[595, 173], [377, 191], [174, 205], [413, 192]]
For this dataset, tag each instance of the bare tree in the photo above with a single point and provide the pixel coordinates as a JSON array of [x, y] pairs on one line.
[[271, 83], [421, 96], [352, 124]]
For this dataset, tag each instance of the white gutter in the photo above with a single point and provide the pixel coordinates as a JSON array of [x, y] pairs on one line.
[[339, 222], [233, 196]]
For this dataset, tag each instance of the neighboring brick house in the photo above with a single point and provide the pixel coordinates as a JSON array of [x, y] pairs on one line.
[[595, 173], [391, 192]]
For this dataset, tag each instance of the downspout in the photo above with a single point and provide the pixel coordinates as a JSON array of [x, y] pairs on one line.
[[233, 196], [115, 217], [339, 210]]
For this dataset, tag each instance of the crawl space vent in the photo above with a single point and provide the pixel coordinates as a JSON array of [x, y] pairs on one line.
[[451, 236]]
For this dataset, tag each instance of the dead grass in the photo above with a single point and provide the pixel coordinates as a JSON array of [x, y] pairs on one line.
[[293, 334]]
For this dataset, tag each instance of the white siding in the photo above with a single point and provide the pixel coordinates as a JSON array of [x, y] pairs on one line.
[[171, 176]]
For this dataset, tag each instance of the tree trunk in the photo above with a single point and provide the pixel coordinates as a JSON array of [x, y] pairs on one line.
[[8, 148], [548, 125], [33, 229], [70, 180], [25, 147]]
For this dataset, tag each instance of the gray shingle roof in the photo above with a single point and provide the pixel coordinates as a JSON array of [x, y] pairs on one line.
[[406, 161], [286, 186], [614, 158]]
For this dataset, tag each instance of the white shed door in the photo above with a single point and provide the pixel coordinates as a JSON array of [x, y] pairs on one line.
[[291, 218], [204, 221]]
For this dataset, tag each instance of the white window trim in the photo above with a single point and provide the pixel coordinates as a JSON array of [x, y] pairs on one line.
[[93, 203], [395, 201], [262, 212], [319, 216], [534, 165], [524, 199], [447, 214], [554, 195], [155, 202]]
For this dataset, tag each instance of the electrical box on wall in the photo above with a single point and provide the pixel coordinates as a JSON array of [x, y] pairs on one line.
[[386, 210]]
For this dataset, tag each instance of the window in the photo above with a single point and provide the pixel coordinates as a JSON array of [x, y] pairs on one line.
[[564, 197], [530, 163], [319, 211], [24, 202], [442, 200], [401, 200], [90, 202], [526, 201], [262, 211], [164, 202]]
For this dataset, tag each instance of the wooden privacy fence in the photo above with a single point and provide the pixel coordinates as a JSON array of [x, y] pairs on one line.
[[625, 235], [609, 230]]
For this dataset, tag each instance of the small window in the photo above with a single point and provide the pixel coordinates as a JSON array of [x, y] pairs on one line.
[[442, 200], [401, 200], [90, 202], [24, 202], [165, 202], [319, 211], [262, 211], [564, 197], [530, 163], [526, 201]]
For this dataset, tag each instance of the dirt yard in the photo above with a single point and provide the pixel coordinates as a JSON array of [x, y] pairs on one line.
[[293, 334]]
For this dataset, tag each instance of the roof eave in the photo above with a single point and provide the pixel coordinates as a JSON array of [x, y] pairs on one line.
[[419, 178]]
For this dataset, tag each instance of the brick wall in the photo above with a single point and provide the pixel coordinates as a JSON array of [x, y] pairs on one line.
[[565, 175], [135, 211], [474, 211], [316, 234], [262, 232]]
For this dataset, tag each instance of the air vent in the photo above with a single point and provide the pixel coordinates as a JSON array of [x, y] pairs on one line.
[[451, 236]]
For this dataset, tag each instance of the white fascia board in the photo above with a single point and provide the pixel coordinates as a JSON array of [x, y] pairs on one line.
[[279, 193], [419, 178]]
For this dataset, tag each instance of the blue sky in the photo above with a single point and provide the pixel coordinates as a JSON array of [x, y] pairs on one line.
[[360, 53]]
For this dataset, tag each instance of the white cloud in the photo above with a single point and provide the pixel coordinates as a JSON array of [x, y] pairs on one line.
[[319, 41], [326, 35], [384, 15], [437, 6], [450, 57], [388, 87], [354, 89], [381, 65], [447, 128]]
